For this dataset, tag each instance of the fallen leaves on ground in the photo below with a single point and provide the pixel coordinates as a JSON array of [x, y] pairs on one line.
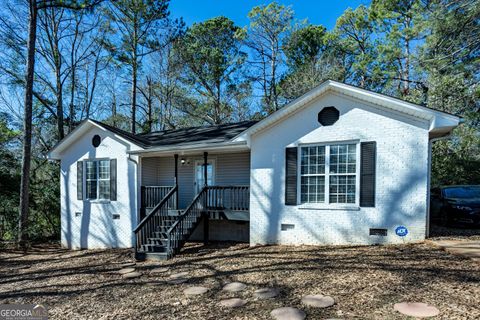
[[365, 281]]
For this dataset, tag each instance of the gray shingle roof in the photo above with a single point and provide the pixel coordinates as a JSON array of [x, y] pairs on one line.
[[204, 134]]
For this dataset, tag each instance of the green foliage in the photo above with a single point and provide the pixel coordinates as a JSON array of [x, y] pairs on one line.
[[119, 121], [305, 45], [9, 180], [44, 190], [274, 17], [214, 64], [44, 201], [403, 26], [310, 62], [451, 59], [457, 161], [354, 38], [138, 22], [269, 27]]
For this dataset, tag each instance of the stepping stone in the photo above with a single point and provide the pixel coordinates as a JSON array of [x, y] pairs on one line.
[[234, 287], [126, 270], [178, 278], [193, 291], [233, 302], [318, 301], [128, 264], [288, 313], [132, 275], [178, 275], [159, 270], [416, 309], [266, 293]]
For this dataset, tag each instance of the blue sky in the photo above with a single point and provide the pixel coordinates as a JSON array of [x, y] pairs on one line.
[[323, 12]]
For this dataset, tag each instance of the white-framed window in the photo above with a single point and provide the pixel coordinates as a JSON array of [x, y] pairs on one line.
[[97, 179], [329, 173]]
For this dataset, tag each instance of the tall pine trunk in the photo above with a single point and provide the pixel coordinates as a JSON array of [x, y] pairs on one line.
[[27, 124], [134, 97], [134, 74]]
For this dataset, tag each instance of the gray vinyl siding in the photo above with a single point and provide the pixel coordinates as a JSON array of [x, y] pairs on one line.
[[149, 172], [231, 169]]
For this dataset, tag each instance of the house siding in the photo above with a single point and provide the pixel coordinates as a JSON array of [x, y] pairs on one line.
[[231, 169], [401, 177], [90, 224]]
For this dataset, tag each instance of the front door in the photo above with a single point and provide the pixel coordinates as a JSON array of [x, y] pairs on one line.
[[200, 176]]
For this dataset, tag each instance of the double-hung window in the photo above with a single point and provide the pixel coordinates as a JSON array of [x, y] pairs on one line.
[[97, 179], [328, 174]]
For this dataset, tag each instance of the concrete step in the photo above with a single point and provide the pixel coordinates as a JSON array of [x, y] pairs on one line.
[[157, 256]]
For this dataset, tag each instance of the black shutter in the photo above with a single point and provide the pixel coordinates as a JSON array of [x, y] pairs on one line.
[[291, 176], [79, 180], [113, 179], [367, 173]]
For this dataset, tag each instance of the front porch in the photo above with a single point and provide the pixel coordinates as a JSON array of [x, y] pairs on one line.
[[192, 197]]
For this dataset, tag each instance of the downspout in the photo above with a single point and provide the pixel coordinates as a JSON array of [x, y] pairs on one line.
[[138, 200]]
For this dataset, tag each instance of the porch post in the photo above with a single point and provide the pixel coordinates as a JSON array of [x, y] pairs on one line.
[[205, 165], [176, 180], [205, 212]]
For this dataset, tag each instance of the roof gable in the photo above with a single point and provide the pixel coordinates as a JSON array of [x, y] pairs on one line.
[[82, 129], [439, 121]]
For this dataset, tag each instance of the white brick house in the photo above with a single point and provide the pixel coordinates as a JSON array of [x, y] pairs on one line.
[[339, 165]]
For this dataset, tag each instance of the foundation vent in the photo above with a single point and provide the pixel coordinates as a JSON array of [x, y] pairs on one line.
[[378, 232], [285, 227]]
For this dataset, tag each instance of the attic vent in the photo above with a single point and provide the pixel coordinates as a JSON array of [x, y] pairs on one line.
[[285, 227], [378, 232], [96, 140], [328, 116]]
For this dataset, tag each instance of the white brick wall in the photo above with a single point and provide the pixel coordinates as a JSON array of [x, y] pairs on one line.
[[401, 179], [95, 227]]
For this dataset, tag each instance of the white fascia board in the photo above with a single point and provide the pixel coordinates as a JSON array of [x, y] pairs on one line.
[[193, 148], [436, 118], [56, 152]]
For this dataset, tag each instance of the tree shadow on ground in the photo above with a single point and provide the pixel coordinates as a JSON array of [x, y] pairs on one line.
[[295, 270]]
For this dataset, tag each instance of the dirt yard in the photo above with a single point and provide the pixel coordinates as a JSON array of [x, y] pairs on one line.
[[364, 281]]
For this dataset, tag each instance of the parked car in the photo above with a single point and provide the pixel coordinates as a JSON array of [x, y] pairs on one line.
[[460, 204]]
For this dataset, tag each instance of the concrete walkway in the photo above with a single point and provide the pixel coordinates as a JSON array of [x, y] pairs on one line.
[[465, 248]]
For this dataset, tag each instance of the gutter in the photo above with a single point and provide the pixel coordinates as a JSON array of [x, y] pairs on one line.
[[192, 147]]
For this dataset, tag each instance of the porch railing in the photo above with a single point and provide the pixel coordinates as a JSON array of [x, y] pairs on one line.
[[228, 198], [152, 195], [182, 228], [155, 218]]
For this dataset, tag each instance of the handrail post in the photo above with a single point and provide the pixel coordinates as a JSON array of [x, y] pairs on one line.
[[176, 180], [206, 218], [142, 203]]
